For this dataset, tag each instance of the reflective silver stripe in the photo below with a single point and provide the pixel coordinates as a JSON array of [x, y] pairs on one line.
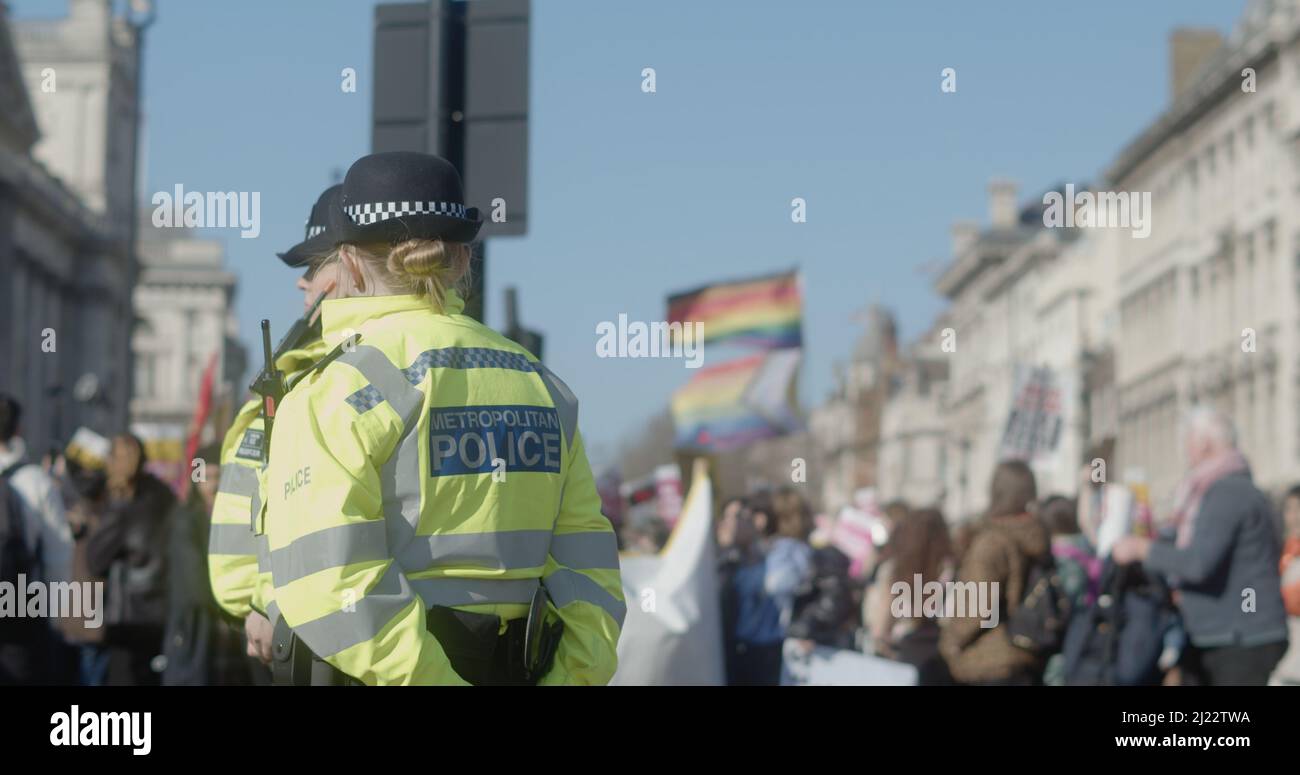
[[399, 484], [386, 378], [400, 477], [587, 550], [332, 547], [273, 612], [451, 592], [567, 586], [254, 509], [361, 621], [503, 550], [263, 554], [231, 539], [342, 629], [238, 480], [566, 403]]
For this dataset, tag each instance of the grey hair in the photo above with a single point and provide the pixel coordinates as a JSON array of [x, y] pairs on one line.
[[1204, 421]]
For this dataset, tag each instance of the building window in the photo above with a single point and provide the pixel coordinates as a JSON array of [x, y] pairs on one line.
[[145, 374]]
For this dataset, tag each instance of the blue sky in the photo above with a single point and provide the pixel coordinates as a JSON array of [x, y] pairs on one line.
[[635, 195]]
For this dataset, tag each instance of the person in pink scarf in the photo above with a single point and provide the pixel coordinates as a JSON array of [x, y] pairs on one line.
[[1223, 560]]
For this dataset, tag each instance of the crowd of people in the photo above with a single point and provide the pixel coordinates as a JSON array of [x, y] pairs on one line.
[[112, 524], [1209, 595]]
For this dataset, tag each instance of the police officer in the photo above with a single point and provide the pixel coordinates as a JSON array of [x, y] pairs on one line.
[[429, 507], [232, 549]]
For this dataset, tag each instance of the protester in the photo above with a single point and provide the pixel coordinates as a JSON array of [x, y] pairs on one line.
[[36, 543], [86, 494], [644, 535], [62, 666], [739, 550], [962, 535], [730, 554], [894, 513], [128, 548], [1225, 548], [1076, 562], [1288, 670], [825, 608], [1077, 567], [755, 659], [789, 557], [1004, 547], [920, 553], [202, 644], [727, 525]]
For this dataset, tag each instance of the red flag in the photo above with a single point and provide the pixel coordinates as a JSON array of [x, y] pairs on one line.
[[196, 427]]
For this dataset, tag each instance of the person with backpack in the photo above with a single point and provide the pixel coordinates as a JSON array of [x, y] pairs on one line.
[[825, 611], [35, 546], [1077, 564], [1009, 548], [1129, 635]]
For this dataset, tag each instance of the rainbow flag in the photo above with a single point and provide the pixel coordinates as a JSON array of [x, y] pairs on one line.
[[764, 312], [732, 404]]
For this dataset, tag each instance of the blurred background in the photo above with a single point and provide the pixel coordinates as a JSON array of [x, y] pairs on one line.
[[849, 196]]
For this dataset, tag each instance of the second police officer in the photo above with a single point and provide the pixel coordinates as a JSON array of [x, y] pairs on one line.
[[429, 510], [232, 551]]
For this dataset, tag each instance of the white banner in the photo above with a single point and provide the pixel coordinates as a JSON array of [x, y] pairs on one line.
[[841, 667], [673, 632]]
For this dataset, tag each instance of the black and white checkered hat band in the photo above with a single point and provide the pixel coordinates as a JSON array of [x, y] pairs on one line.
[[374, 212], [312, 231]]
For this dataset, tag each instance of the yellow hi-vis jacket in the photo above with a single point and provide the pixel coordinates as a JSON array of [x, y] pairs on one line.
[[232, 551], [434, 463]]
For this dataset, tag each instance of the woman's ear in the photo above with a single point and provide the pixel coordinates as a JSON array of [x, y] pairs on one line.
[[352, 265]]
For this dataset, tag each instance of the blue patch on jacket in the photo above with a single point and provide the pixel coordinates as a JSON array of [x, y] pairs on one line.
[[468, 439]]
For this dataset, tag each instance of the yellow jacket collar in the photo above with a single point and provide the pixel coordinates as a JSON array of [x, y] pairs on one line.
[[341, 318], [296, 360]]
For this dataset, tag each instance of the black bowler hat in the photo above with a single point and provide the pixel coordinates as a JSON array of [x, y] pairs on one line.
[[319, 239], [401, 195]]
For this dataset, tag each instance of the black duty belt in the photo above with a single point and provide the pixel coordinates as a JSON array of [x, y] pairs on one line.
[[293, 664], [483, 655], [478, 650]]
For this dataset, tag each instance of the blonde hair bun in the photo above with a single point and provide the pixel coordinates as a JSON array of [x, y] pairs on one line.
[[417, 258], [428, 267]]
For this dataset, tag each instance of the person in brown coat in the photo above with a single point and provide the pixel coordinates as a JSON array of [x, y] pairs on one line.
[[1005, 544]]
